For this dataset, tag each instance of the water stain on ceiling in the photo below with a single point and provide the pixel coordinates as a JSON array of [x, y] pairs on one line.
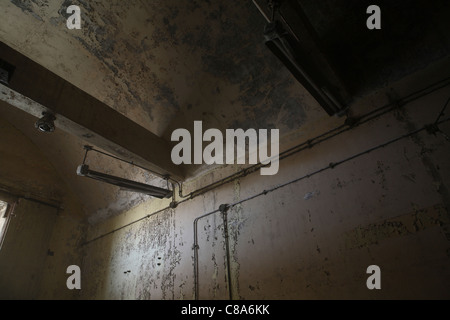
[[164, 64]]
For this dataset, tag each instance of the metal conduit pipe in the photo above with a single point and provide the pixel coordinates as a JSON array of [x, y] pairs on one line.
[[332, 165], [53, 203], [261, 10], [348, 125], [305, 145], [223, 208], [196, 247], [351, 123], [126, 225]]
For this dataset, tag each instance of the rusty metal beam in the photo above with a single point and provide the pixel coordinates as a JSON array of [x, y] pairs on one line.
[[35, 89]]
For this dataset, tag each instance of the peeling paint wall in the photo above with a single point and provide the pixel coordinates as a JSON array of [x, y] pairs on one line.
[[312, 239], [164, 65]]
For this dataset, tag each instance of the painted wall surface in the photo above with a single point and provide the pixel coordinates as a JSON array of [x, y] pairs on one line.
[[63, 250], [63, 153], [39, 245], [165, 66], [41, 241], [24, 250], [312, 239]]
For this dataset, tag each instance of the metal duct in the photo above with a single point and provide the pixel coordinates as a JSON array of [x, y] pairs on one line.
[[289, 51]]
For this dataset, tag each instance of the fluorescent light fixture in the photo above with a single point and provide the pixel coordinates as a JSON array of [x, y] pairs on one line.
[[84, 171], [290, 52]]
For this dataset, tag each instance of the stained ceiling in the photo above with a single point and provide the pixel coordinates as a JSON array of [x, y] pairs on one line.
[[165, 63]]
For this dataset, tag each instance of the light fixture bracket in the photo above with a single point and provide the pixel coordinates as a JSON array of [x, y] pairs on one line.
[[46, 123], [129, 185]]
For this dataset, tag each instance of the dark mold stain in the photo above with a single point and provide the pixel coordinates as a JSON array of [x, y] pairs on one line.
[[167, 94], [88, 135], [103, 39], [27, 6], [403, 225], [56, 21], [171, 29], [243, 60]]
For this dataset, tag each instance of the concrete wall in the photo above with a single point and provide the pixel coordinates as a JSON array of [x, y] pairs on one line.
[[312, 239], [24, 250], [41, 241], [39, 245]]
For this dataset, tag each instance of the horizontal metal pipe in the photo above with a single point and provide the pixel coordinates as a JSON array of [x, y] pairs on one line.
[[265, 192], [371, 115], [378, 112]]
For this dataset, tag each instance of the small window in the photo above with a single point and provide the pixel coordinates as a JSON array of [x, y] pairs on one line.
[[4, 213]]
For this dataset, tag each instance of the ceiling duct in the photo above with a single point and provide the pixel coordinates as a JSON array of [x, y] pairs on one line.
[[289, 50]]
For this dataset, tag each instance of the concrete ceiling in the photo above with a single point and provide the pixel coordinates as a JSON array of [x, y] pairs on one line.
[[413, 35], [165, 63]]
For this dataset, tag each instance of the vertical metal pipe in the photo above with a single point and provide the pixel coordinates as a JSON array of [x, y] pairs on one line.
[[195, 260], [224, 211], [196, 247]]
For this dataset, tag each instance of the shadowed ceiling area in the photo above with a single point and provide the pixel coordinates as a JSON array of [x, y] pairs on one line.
[[165, 64]]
